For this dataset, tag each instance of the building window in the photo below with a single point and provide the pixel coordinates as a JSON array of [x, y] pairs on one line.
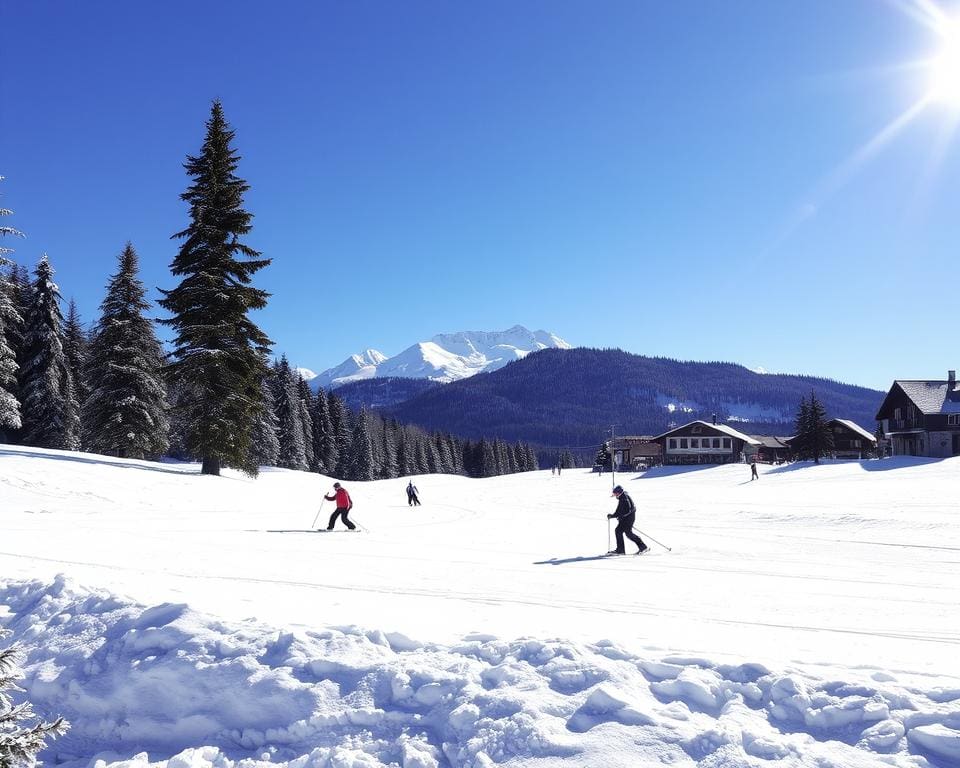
[[953, 420], [683, 443], [695, 442], [898, 413], [726, 442], [696, 430], [673, 443], [856, 443]]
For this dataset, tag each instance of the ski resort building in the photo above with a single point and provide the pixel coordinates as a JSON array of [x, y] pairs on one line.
[[922, 418], [851, 441], [769, 449], [636, 452], [700, 442]]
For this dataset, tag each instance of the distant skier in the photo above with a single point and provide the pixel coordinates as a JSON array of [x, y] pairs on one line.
[[412, 499], [558, 470], [753, 471], [344, 505], [626, 515]]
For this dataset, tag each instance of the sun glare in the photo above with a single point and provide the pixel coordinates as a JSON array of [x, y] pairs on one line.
[[944, 85]]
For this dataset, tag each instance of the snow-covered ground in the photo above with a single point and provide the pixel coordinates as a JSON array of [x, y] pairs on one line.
[[808, 618]]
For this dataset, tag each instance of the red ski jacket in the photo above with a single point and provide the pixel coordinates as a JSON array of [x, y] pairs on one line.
[[341, 497]]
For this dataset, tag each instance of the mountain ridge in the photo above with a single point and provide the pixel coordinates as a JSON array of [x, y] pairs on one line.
[[445, 357], [569, 398]]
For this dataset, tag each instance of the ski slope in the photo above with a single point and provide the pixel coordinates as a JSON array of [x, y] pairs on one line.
[[808, 617]]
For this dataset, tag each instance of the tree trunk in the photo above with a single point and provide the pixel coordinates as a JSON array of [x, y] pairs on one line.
[[211, 466]]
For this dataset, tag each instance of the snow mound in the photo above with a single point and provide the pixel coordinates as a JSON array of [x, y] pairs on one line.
[[168, 687]]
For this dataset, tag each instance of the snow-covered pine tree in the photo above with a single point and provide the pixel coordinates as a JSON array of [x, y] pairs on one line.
[[10, 322], [324, 448], [9, 403], [305, 401], [76, 346], [532, 463], [360, 461], [264, 445], [218, 349], [126, 411], [290, 427], [341, 429], [44, 374], [21, 735]]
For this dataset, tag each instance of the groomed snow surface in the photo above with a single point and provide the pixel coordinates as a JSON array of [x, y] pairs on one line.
[[805, 619]]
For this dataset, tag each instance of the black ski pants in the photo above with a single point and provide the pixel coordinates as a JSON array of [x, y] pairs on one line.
[[625, 528], [341, 512]]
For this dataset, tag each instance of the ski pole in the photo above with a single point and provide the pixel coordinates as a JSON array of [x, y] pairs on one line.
[[609, 546], [669, 549], [318, 512]]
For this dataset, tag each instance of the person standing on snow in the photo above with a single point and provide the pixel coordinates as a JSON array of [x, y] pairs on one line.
[[412, 499], [626, 515], [753, 471], [344, 505]]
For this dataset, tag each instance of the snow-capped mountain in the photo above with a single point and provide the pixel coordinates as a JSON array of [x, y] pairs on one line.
[[445, 357]]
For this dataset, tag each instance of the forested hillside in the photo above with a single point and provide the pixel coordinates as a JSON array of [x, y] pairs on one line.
[[570, 397]]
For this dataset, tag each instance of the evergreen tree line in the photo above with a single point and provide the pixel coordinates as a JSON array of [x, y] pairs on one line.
[[215, 397]]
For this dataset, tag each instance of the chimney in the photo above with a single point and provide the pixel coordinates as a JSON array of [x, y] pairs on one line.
[[714, 419], [951, 380]]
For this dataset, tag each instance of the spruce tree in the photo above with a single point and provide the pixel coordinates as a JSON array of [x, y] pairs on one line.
[[324, 449], [21, 736], [289, 418], [821, 438], [341, 428], [305, 404], [9, 402], [125, 413], [264, 445], [360, 463], [76, 347], [10, 323], [218, 351], [44, 375]]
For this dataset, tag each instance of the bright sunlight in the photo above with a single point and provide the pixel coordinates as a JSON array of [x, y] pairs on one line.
[[944, 85]]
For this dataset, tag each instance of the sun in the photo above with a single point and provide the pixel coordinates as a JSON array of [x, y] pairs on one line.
[[944, 68]]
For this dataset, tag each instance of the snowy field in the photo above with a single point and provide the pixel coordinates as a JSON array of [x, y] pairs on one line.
[[806, 619]]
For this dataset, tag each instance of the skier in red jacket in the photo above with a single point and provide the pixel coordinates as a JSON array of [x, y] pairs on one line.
[[344, 505]]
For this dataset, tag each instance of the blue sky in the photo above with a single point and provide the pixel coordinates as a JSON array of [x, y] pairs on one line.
[[671, 178]]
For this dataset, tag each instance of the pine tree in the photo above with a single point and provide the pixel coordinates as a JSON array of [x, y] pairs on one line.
[[340, 428], [75, 350], [360, 462], [290, 425], [9, 403], [821, 438], [125, 413], [264, 445], [45, 376], [10, 322], [324, 449], [19, 744], [305, 401], [813, 440], [218, 350]]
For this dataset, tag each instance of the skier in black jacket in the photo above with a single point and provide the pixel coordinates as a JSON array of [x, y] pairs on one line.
[[625, 515]]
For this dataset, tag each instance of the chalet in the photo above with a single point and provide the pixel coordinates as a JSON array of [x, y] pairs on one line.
[[636, 451], [700, 442], [922, 418], [769, 449], [850, 440]]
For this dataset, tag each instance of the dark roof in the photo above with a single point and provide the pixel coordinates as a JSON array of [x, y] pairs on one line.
[[769, 441], [929, 396], [722, 428], [854, 427]]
